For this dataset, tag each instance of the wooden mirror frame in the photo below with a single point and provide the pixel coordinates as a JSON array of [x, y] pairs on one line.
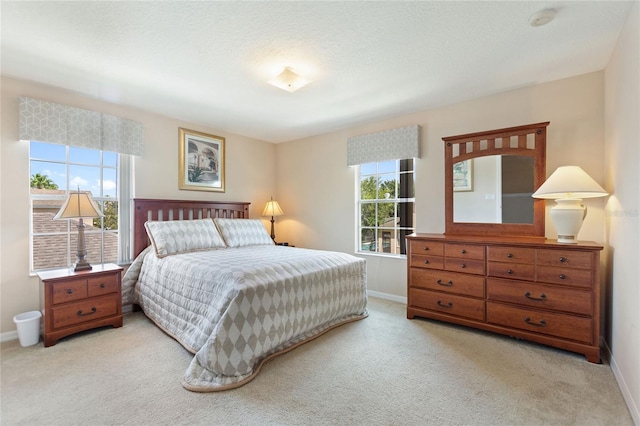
[[481, 144]]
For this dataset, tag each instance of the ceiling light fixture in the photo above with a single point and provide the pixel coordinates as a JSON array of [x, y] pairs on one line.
[[289, 80], [542, 18]]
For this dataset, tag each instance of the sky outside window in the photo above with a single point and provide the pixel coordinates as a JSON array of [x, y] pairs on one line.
[[85, 171]]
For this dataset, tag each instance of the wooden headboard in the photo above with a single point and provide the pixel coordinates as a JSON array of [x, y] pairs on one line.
[[153, 209]]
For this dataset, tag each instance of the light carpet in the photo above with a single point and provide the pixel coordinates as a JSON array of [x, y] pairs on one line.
[[383, 370]]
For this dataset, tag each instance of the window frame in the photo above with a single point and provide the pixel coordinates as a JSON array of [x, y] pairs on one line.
[[123, 190], [402, 169]]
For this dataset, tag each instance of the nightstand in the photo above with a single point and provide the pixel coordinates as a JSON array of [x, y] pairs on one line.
[[76, 301]]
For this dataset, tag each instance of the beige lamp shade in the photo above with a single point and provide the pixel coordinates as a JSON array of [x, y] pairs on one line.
[[272, 209], [78, 204], [569, 182]]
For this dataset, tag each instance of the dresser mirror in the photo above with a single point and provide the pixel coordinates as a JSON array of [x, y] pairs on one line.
[[489, 179]]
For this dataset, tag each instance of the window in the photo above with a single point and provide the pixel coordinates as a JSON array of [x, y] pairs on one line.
[[386, 202], [54, 171]]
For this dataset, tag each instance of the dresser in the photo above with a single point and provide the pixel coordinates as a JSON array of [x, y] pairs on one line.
[[76, 301], [529, 287]]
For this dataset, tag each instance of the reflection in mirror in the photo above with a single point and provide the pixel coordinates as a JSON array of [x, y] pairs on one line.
[[494, 189]]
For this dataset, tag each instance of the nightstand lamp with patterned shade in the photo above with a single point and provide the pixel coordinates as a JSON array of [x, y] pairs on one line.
[[79, 205], [272, 209]]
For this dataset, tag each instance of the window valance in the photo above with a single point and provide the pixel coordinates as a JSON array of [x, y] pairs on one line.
[[395, 144], [55, 123]]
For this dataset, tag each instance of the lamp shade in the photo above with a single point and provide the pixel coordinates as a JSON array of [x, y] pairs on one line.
[[569, 182], [78, 204], [272, 209]]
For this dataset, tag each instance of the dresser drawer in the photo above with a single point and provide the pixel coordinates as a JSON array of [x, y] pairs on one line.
[[551, 323], [566, 276], [447, 303], [450, 282], [464, 251], [469, 266], [516, 271], [511, 254], [430, 262], [540, 296], [431, 248], [99, 286], [86, 310], [68, 291], [565, 258]]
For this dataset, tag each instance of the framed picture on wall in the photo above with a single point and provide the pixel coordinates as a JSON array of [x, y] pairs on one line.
[[201, 161], [463, 175]]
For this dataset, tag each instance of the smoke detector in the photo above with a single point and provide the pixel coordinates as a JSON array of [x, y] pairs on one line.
[[541, 18]]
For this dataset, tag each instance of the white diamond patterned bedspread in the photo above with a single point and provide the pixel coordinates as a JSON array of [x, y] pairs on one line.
[[235, 308]]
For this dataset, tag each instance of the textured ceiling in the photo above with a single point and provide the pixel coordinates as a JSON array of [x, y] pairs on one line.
[[208, 62]]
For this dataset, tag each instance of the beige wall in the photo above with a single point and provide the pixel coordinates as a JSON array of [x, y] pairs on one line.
[[622, 157], [316, 187], [250, 176]]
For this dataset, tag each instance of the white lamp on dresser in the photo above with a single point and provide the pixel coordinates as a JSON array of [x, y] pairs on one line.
[[568, 186]]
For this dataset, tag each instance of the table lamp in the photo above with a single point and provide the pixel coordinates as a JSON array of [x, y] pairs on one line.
[[272, 209], [568, 186], [78, 206]]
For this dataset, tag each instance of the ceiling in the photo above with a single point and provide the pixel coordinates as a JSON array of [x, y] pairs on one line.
[[208, 62]]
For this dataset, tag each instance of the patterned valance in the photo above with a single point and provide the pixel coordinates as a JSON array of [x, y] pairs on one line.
[[395, 144], [54, 123]]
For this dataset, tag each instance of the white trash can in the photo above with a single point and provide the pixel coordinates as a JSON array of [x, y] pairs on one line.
[[28, 324]]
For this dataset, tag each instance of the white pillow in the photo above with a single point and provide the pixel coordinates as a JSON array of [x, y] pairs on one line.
[[183, 236], [243, 232]]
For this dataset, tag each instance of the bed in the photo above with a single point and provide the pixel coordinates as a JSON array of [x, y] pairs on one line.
[[213, 279]]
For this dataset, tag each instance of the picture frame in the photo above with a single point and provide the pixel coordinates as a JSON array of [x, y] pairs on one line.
[[201, 161], [463, 176]]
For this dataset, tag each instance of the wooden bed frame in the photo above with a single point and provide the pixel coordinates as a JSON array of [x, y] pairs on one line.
[[162, 210]]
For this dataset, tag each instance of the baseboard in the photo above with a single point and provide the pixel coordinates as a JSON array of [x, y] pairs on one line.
[[8, 336], [387, 296], [622, 384]]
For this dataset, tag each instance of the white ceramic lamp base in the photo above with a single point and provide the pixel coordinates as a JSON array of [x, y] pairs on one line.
[[567, 216]]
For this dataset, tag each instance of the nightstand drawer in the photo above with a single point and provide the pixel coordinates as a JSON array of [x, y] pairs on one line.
[[69, 291], [87, 310], [102, 285]]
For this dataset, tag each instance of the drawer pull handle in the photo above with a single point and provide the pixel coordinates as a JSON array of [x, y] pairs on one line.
[[69, 291], [510, 271], [542, 323], [426, 262], [463, 251], [562, 276], [81, 314], [463, 266], [447, 305], [102, 285], [447, 284], [529, 296], [509, 255], [562, 259], [426, 249]]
